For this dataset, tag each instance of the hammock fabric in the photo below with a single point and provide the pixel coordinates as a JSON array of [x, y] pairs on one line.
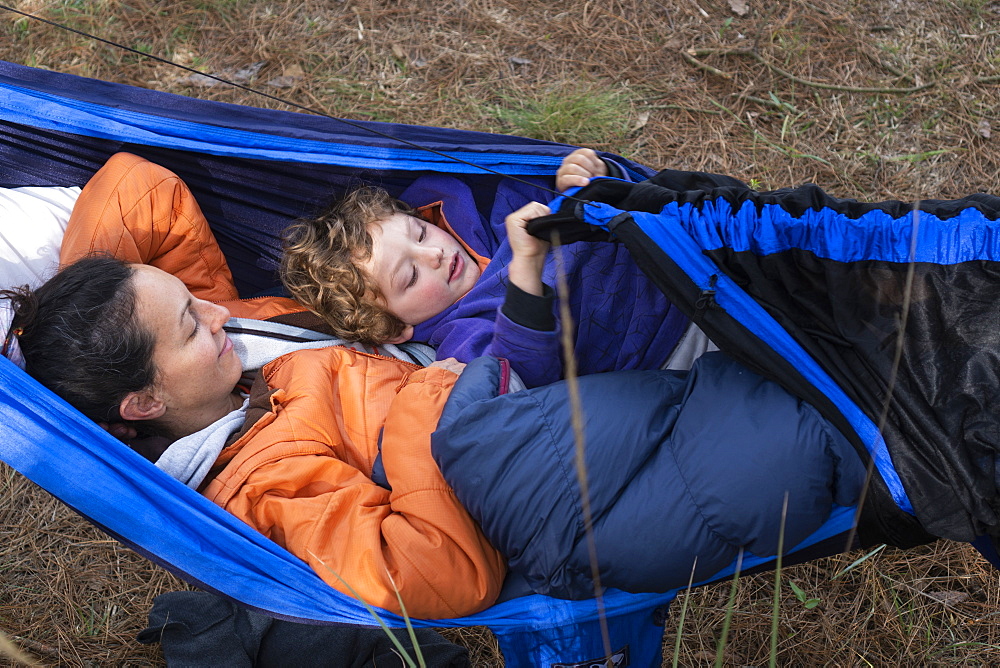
[[252, 171]]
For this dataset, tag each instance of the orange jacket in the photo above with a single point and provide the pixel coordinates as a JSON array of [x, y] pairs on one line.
[[300, 471]]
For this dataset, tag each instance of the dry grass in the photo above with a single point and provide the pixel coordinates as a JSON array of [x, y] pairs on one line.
[[71, 596], [935, 605], [869, 98]]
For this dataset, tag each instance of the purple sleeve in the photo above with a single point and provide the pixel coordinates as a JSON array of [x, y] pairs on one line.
[[534, 355]]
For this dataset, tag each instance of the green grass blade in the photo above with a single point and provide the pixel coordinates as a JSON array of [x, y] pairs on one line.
[[409, 626], [772, 660], [680, 622], [721, 648], [859, 561], [385, 627]]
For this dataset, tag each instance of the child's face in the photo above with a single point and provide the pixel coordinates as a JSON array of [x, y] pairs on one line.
[[420, 269]]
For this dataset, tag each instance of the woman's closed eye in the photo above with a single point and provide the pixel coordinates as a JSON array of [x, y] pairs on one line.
[[197, 326]]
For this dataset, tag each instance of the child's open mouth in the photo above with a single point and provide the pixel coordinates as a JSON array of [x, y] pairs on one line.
[[456, 267]]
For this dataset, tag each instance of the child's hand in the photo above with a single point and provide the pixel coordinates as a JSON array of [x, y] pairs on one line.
[[525, 270], [150, 447], [119, 430], [521, 243], [451, 364], [578, 168]]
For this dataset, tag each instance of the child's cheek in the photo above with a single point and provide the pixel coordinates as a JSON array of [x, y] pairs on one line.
[[440, 294], [428, 296]]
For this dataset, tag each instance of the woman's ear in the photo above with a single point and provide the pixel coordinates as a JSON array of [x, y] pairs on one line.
[[141, 405], [403, 336]]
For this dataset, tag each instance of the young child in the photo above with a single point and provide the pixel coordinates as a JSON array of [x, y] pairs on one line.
[[379, 271]]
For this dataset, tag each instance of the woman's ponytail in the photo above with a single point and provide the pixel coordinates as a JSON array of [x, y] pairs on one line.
[[79, 336]]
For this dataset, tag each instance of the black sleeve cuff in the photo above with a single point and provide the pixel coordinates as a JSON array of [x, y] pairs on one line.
[[530, 311]]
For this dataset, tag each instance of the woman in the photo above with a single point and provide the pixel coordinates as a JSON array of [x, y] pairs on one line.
[[181, 377], [334, 453], [133, 348]]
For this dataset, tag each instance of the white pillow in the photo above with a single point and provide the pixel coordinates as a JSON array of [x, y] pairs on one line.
[[32, 223]]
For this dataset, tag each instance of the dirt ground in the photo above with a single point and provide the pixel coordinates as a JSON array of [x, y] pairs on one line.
[[871, 99]]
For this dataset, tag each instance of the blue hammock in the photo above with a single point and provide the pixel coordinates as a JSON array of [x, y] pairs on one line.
[[882, 315], [252, 171]]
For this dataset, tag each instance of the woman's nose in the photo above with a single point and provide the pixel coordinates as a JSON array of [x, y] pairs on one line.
[[216, 315]]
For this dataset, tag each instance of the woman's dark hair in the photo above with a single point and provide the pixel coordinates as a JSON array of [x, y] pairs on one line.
[[80, 337]]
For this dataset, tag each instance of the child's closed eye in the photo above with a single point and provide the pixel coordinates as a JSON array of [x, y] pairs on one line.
[[423, 233], [413, 279]]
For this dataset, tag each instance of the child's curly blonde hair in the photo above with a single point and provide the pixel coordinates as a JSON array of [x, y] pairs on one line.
[[321, 265]]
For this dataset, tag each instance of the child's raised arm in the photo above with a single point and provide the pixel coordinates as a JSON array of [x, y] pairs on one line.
[[529, 252]]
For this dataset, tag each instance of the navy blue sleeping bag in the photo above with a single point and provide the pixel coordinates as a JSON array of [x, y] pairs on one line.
[[684, 469]]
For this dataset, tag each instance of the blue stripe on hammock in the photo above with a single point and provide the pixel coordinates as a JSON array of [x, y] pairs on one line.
[[53, 112], [832, 235]]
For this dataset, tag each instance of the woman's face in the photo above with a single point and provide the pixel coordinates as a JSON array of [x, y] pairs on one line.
[[196, 366]]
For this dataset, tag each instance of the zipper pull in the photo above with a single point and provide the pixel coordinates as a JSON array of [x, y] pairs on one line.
[[706, 299]]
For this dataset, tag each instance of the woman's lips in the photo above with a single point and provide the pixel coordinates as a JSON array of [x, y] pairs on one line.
[[226, 346]]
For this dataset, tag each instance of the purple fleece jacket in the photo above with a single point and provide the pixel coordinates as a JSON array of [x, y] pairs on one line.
[[620, 319]]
